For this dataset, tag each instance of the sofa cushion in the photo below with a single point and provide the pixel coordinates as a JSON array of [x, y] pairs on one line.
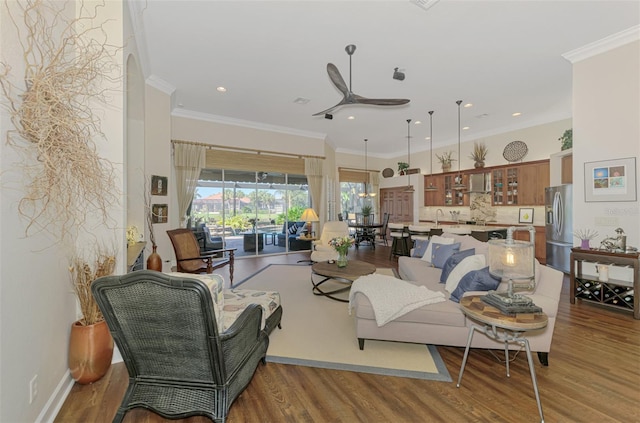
[[467, 241], [436, 239], [476, 280], [419, 248], [453, 261], [415, 269], [442, 252], [475, 262]]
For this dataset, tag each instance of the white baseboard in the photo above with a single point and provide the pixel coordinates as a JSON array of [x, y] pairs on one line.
[[56, 400]]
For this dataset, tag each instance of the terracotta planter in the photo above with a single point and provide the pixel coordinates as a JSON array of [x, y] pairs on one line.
[[154, 262], [90, 351]]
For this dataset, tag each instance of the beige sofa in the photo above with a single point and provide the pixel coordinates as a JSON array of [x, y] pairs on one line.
[[443, 323]]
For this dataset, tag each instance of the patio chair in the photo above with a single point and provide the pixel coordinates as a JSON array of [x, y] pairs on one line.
[[189, 258], [179, 363]]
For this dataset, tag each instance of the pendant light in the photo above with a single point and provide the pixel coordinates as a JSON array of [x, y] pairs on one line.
[[458, 185], [409, 187], [431, 187], [366, 193]]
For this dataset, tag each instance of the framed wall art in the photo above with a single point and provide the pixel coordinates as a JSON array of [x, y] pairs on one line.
[[159, 213], [610, 180], [526, 215], [158, 185]]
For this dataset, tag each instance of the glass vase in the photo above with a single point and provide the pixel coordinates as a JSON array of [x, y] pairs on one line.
[[585, 244], [342, 259]]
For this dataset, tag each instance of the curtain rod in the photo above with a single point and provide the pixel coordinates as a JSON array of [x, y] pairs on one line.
[[358, 169], [251, 150]]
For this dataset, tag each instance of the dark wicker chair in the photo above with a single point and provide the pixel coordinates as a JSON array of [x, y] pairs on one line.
[[190, 259], [179, 364]]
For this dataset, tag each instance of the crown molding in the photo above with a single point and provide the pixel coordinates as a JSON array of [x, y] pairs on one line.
[[161, 85], [601, 46], [190, 114]]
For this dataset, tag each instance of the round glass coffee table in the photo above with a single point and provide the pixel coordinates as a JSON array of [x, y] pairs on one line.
[[343, 275]]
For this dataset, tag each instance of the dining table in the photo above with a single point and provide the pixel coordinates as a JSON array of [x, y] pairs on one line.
[[365, 232]]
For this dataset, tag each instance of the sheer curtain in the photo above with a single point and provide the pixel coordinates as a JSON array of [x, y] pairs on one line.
[[313, 168], [188, 160]]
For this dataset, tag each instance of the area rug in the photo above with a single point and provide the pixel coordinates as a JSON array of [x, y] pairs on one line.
[[319, 332]]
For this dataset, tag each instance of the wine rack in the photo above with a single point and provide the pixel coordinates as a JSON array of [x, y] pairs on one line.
[[612, 292]]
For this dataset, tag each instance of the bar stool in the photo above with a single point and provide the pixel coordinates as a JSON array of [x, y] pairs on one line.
[[418, 232], [400, 243]]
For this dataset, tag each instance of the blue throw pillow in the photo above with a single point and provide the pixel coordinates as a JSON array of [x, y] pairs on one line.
[[420, 247], [453, 261], [441, 253], [476, 280], [293, 229]]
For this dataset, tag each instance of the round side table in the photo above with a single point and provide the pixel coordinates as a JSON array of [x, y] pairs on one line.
[[503, 328]]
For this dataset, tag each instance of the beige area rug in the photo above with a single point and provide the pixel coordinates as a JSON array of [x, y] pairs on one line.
[[319, 332]]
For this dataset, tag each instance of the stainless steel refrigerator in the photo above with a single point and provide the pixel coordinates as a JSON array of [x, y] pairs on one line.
[[559, 226]]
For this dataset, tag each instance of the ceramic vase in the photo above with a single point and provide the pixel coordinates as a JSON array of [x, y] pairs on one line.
[[446, 168], [342, 259], [154, 262], [585, 244], [90, 351]]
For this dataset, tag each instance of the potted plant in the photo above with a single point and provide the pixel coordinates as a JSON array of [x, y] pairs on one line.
[[479, 154], [402, 167], [341, 245], [445, 160], [366, 210], [566, 140], [90, 342]]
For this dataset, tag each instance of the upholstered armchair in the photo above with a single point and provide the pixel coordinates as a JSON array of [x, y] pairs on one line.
[[180, 364], [322, 251]]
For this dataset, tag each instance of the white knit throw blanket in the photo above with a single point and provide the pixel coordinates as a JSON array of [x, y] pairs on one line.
[[391, 297]]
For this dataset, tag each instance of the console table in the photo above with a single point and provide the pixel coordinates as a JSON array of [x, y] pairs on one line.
[[611, 292]]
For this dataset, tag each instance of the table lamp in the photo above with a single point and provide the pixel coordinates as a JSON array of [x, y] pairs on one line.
[[514, 261], [309, 215]]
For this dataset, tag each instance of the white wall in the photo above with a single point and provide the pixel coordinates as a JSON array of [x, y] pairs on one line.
[[37, 306], [606, 105]]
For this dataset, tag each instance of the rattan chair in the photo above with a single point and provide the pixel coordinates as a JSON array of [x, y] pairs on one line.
[[179, 364], [189, 258]]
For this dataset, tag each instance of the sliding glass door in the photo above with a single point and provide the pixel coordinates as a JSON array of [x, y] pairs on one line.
[[251, 211]]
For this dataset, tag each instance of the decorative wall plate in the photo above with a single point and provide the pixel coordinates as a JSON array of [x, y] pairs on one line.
[[387, 173], [515, 151]]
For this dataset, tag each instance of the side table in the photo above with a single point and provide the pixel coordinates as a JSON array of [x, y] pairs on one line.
[[503, 328]]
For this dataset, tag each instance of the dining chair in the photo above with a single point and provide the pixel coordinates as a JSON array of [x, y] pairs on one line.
[[382, 233]]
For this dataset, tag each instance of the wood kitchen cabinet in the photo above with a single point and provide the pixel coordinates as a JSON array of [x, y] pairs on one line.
[[434, 198], [505, 189], [454, 197], [533, 178]]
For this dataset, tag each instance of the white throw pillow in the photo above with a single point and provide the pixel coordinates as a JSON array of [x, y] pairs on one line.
[[436, 239], [475, 262]]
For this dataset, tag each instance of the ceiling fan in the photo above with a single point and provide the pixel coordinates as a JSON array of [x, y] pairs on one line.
[[349, 96]]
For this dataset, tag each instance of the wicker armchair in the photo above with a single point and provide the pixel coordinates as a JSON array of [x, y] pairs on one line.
[[179, 364], [190, 259]]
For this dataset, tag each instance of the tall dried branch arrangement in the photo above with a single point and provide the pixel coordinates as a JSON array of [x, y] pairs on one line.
[[68, 64], [82, 276]]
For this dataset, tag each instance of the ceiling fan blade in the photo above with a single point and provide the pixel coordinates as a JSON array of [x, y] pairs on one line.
[[337, 79], [330, 109], [380, 101]]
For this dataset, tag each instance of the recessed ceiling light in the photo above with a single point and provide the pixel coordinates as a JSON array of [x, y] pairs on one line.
[[417, 122], [464, 128], [351, 118], [516, 114], [221, 89], [468, 105], [427, 138], [301, 100]]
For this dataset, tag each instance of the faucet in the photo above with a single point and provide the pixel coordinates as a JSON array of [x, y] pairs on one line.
[[438, 211]]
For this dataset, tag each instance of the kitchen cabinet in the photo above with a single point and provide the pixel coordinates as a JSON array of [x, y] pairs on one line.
[[566, 169], [434, 198], [505, 186], [534, 178], [454, 197]]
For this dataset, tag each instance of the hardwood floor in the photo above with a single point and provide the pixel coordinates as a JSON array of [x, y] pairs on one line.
[[593, 376]]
